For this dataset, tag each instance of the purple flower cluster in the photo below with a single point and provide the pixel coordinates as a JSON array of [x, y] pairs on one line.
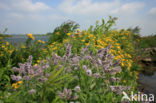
[[102, 59], [67, 94], [27, 71], [100, 65], [119, 89]]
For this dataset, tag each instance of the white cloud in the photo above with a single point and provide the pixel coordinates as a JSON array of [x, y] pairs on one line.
[[89, 7], [131, 7], [28, 5], [152, 10]]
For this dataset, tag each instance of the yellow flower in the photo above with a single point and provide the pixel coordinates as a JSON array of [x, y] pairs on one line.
[[3, 46], [13, 84], [16, 85], [68, 34], [83, 40], [43, 42], [99, 46], [45, 60], [73, 37], [80, 36], [85, 33], [129, 56], [86, 44], [77, 33], [29, 35], [54, 48], [118, 47], [35, 64], [136, 97], [66, 40], [38, 61], [44, 50], [78, 30], [122, 64], [32, 37], [57, 33], [39, 41], [19, 82], [124, 81], [90, 35], [7, 43]]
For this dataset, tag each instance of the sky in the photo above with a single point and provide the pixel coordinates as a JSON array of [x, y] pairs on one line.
[[42, 16]]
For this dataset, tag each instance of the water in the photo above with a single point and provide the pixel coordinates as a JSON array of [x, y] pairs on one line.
[[147, 78], [17, 39], [148, 83]]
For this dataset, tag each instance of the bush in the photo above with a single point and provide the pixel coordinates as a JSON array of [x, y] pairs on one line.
[[60, 32]]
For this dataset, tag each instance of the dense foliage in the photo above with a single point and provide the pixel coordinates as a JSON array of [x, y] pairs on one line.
[[147, 41], [88, 66], [60, 32]]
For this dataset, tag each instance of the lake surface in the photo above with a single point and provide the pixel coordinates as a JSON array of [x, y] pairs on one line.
[[148, 83], [17, 39]]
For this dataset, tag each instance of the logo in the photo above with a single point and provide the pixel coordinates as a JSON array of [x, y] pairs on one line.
[[138, 97]]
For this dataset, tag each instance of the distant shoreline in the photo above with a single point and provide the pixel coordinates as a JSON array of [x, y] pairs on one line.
[[26, 34], [5, 35], [12, 35]]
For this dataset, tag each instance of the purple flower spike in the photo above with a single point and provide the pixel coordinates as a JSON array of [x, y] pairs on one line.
[[16, 78]]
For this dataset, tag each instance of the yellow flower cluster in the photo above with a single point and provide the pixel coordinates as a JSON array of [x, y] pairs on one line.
[[30, 36], [121, 45], [65, 40], [17, 85], [54, 46], [121, 48], [5, 49]]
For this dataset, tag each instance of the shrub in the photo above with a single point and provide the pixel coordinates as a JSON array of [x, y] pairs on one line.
[[60, 32]]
